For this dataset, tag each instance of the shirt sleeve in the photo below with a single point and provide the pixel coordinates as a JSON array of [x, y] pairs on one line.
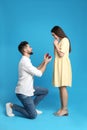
[[29, 68], [64, 45]]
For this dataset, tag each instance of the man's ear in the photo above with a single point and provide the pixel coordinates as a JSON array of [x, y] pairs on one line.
[[24, 50]]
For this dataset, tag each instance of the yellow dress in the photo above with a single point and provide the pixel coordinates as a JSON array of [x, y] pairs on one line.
[[62, 74]]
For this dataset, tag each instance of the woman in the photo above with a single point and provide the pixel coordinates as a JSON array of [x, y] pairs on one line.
[[62, 75]]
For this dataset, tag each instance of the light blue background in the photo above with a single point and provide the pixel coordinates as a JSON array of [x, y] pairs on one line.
[[32, 20]]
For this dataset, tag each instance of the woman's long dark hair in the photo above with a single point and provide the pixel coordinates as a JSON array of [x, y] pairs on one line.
[[60, 33]]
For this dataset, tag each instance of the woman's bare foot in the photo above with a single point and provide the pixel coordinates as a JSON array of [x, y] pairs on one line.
[[57, 111], [61, 112]]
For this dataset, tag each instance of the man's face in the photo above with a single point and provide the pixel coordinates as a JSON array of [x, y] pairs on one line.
[[28, 49]]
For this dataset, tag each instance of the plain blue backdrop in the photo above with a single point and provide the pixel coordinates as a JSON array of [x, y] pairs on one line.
[[32, 20]]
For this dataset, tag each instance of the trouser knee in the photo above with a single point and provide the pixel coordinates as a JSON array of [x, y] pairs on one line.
[[46, 91], [33, 116]]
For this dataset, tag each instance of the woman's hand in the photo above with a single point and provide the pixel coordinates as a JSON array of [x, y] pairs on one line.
[[58, 48], [56, 45], [55, 42]]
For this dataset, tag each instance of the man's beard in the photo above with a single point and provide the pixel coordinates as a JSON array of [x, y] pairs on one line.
[[31, 53]]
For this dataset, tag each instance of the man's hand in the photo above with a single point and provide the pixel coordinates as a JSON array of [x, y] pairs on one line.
[[47, 58]]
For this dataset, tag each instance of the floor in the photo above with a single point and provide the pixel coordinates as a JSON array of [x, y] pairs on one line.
[[77, 119]]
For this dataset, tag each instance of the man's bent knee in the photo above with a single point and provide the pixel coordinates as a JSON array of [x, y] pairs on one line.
[[33, 116], [46, 91]]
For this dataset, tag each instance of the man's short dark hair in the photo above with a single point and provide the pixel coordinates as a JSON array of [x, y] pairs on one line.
[[21, 46]]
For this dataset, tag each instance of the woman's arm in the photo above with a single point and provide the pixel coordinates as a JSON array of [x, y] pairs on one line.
[[61, 54]]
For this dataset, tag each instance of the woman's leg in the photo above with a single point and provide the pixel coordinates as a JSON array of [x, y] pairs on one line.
[[64, 100], [63, 97]]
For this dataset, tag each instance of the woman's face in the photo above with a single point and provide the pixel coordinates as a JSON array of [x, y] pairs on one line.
[[55, 36]]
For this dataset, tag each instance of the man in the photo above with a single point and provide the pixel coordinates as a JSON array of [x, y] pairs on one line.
[[25, 90]]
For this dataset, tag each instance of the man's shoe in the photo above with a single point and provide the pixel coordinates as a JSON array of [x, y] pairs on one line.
[[39, 112], [9, 110]]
